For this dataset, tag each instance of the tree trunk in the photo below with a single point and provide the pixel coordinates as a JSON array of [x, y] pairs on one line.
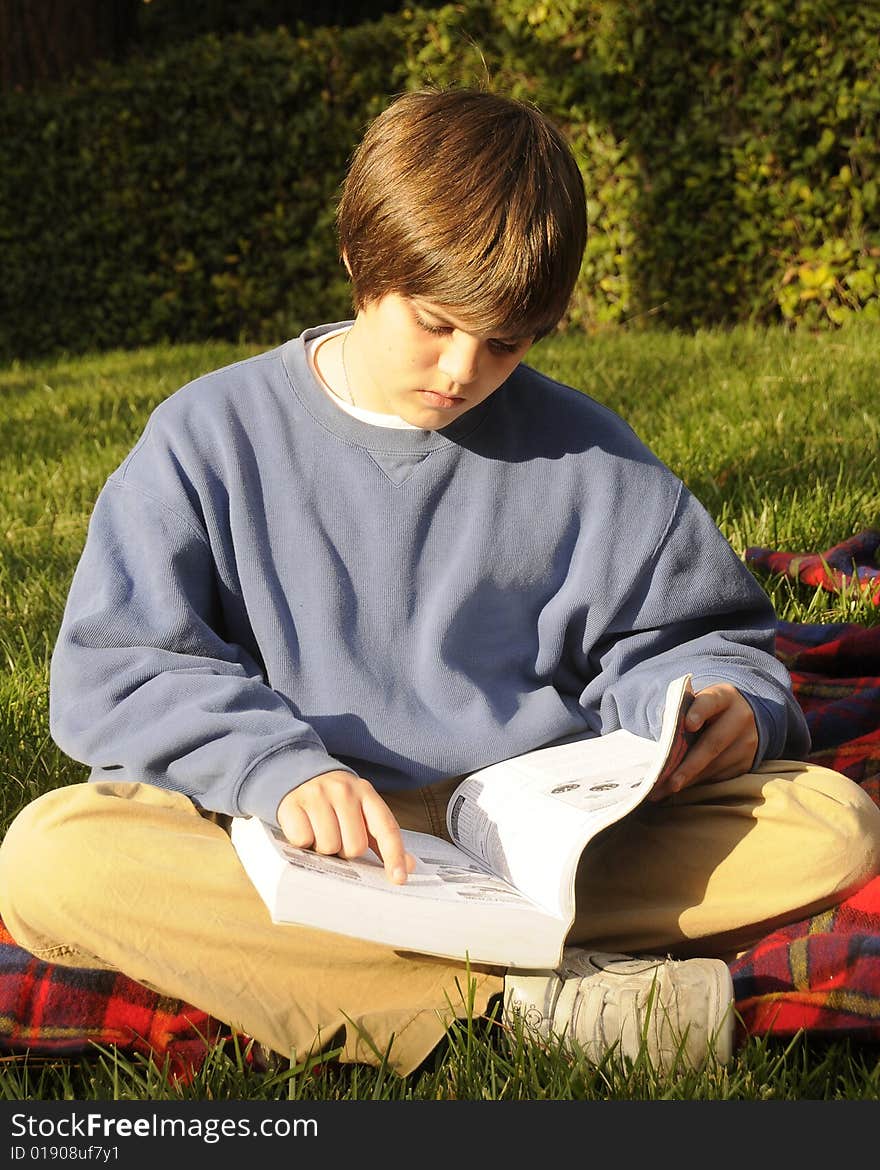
[[42, 41]]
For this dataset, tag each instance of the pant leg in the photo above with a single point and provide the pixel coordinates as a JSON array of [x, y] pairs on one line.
[[132, 878], [714, 868]]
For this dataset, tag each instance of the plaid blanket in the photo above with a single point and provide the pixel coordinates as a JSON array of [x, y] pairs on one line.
[[851, 564], [821, 974], [50, 1010], [835, 673]]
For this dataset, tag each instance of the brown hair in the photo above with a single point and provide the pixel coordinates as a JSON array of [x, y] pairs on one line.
[[470, 200]]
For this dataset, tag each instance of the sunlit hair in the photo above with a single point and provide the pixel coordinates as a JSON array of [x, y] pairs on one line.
[[468, 200]]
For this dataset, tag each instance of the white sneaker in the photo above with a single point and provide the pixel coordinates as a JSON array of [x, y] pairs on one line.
[[679, 1013]]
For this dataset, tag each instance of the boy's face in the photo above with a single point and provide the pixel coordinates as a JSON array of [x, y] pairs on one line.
[[410, 357]]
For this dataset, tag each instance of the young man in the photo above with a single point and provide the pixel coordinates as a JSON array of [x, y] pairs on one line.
[[330, 579]]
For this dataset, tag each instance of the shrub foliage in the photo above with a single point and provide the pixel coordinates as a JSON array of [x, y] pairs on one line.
[[730, 152]]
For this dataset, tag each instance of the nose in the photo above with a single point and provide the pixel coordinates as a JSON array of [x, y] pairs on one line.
[[459, 359]]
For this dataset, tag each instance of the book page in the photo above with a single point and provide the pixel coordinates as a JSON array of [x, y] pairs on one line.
[[449, 906], [442, 873], [528, 819], [568, 797]]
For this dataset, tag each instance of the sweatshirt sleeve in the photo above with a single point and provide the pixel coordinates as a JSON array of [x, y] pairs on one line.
[[693, 608], [144, 687]]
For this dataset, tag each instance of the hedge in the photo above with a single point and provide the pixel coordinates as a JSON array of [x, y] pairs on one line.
[[731, 148], [182, 198], [730, 152]]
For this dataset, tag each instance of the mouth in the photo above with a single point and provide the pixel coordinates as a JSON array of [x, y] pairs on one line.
[[440, 401]]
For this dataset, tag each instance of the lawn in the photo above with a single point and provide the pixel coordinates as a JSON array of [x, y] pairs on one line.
[[777, 432]]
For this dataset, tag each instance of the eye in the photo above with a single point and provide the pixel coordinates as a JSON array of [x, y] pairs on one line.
[[503, 347], [437, 330]]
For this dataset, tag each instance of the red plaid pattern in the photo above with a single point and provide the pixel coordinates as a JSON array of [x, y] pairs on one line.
[[821, 975], [53, 1010], [852, 563]]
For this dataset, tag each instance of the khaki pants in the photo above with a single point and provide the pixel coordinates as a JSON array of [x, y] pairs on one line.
[[131, 877]]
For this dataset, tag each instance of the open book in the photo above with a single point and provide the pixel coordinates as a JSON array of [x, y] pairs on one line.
[[504, 892]]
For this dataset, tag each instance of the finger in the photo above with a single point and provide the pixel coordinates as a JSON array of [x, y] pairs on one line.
[[732, 762], [734, 749], [353, 832], [295, 825], [712, 741], [387, 840], [327, 837], [707, 705], [724, 749], [726, 765], [410, 862]]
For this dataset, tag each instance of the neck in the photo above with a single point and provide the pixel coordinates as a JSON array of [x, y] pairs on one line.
[[346, 381], [330, 364]]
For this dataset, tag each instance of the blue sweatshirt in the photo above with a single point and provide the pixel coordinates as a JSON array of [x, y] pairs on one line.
[[271, 589]]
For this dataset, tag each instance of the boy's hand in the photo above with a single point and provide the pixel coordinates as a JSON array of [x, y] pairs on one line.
[[338, 813], [726, 743]]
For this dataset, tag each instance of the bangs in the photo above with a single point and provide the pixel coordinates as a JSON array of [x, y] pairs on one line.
[[468, 200]]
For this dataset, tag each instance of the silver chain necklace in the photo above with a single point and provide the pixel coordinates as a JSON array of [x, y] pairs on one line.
[[348, 393]]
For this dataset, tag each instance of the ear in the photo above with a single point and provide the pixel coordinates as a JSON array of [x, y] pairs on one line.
[[346, 263]]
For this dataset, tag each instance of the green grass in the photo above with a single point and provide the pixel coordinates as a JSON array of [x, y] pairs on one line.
[[776, 432]]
